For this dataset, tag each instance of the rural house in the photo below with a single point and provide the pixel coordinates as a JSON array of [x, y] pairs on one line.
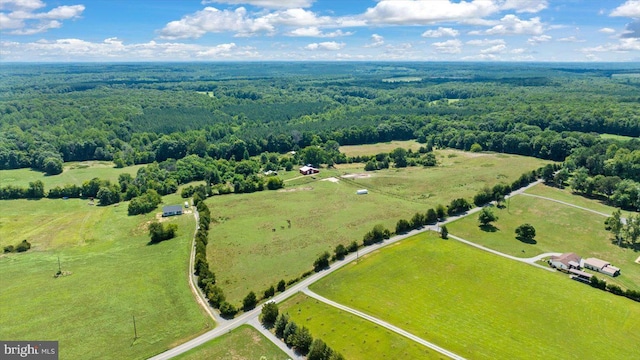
[[171, 210], [565, 261], [308, 170], [601, 266]]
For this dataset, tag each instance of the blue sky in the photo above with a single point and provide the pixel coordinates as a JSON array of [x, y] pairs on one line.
[[265, 30]]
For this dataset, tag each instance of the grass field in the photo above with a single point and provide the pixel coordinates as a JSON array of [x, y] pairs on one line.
[[373, 149], [482, 306], [353, 337], [559, 228], [617, 137], [114, 276], [566, 196], [243, 343], [249, 256], [74, 173]]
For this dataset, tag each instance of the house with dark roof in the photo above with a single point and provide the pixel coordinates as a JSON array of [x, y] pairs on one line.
[[171, 210]]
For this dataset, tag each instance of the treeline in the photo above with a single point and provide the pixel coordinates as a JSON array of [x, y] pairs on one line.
[[294, 336], [614, 289]]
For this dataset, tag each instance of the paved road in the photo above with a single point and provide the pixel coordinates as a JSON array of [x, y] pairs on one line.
[[226, 326], [383, 324], [269, 335]]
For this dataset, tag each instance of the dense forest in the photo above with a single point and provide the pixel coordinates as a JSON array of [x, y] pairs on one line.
[[222, 113]]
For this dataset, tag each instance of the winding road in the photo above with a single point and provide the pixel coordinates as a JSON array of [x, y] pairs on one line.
[[251, 317]]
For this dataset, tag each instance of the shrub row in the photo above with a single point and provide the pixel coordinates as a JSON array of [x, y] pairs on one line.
[[615, 289]]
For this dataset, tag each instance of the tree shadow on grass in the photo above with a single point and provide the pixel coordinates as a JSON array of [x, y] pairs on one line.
[[489, 228], [527, 240]]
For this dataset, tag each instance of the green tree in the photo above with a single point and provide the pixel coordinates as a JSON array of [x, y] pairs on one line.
[[399, 156], [250, 301], [269, 292], [632, 229], [476, 148], [615, 225], [444, 232], [227, 310], [280, 325], [322, 262], [402, 226], [302, 340], [53, 166], [281, 285], [36, 190], [156, 232], [340, 252], [275, 183], [269, 314], [441, 212], [319, 350], [486, 217], [431, 217], [215, 295], [289, 332], [526, 233]]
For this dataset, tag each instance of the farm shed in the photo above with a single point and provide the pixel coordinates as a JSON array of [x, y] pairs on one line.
[[601, 266], [565, 261], [308, 170], [362, 192], [171, 210]]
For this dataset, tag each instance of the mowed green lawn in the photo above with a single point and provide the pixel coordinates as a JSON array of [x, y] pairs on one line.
[[566, 196], [74, 173], [458, 174], [373, 149], [243, 343], [353, 337], [482, 306], [248, 255], [114, 276], [559, 228]]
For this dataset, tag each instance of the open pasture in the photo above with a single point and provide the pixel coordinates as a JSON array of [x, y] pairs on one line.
[[353, 337], [252, 246], [373, 149], [243, 343], [73, 173], [559, 228], [566, 196], [111, 276], [482, 306]]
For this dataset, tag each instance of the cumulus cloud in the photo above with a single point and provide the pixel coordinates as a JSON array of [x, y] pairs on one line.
[[512, 25], [213, 20], [570, 39], [632, 30], [287, 4], [327, 45], [631, 9], [496, 49], [116, 49], [607, 30], [24, 18], [623, 45], [314, 31], [428, 12], [441, 32], [486, 42], [534, 40], [520, 6], [376, 41], [448, 47]]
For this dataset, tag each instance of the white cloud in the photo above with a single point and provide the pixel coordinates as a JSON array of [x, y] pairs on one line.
[[116, 49], [534, 40], [518, 51], [410, 12], [213, 20], [512, 25], [607, 30], [486, 42], [314, 31], [496, 49], [23, 19], [376, 41], [623, 45], [441, 32], [448, 47], [327, 45], [287, 4], [631, 8], [570, 39], [21, 4], [520, 6], [480, 57]]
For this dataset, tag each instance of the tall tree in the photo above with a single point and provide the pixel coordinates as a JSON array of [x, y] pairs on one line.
[[486, 217]]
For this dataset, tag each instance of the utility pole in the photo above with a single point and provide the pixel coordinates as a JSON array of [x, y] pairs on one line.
[[135, 330]]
